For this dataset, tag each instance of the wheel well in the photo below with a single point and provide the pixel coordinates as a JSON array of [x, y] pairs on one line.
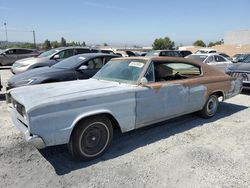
[[219, 94], [114, 122]]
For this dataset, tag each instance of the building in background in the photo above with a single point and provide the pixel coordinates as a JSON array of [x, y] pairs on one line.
[[240, 37]]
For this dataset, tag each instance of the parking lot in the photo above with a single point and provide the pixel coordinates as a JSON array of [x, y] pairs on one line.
[[184, 152]]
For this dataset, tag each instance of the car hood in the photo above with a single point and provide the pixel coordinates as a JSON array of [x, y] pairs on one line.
[[33, 73], [240, 67], [31, 60], [55, 93]]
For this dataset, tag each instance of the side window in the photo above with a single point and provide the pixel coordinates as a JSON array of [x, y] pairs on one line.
[[177, 54], [95, 63], [150, 73], [23, 51], [106, 59], [162, 53], [66, 53], [11, 52], [219, 58], [175, 71], [210, 59], [81, 51]]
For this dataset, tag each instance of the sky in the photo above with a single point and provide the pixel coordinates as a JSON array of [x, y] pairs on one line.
[[130, 22]]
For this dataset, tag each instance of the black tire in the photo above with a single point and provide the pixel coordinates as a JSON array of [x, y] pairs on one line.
[[91, 138], [210, 108]]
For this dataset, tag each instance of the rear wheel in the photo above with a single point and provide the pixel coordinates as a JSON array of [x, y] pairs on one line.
[[91, 138], [210, 108]]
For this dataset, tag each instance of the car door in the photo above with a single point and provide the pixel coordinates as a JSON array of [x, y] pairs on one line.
[[89, 68], [160, 100]]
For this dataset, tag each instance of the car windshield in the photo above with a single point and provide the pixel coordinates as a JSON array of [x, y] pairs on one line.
[[121, 70], [246, 59], [198, 57], [48, 53], [153, 53], [70, 63]]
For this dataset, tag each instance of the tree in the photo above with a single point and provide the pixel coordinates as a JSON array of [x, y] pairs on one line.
[[46, 44], [199, 43], [105, 44], [83, 43], [210, 44], [63, 42], [55, 44], [163, 44]]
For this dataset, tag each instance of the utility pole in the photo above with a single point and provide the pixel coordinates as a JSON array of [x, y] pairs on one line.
[[34, 38], [5, 26]]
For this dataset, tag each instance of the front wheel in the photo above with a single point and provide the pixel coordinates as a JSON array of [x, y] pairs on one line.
[[91, 138], [210, 108]]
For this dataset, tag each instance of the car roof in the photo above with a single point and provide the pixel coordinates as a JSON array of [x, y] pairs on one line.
[[93, 55], [71, 47], [162, 58], [20, 49]]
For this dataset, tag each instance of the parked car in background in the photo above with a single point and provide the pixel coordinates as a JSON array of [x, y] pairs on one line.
[[237, 57], [106, 51], [9, 56], [168, 53], [127, 93], [241, 70], [205, 51], [216, 60], [185, 53], [125, 53], [47, 59], [82, 66]]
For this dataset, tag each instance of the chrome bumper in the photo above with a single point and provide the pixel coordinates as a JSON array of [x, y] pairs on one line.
[[34, 140]]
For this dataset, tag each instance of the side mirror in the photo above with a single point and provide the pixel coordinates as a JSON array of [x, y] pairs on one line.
[[56, 57], [83, 67], [144, 81]]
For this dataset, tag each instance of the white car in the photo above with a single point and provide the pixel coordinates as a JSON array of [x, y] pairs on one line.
[[214, 59]]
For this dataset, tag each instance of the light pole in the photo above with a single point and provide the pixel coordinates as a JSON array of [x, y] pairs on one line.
[[34, 38], [5, 26]]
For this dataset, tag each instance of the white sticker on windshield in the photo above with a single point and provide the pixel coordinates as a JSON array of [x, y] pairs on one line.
[[136, 64], [82, 58]]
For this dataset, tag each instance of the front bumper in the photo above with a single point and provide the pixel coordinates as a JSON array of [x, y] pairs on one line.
[[34, 140]]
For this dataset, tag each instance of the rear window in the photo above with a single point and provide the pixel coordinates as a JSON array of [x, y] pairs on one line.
[[198, 57]]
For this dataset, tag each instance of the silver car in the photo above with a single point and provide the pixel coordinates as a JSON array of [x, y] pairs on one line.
[[9, 56], [47, 59]]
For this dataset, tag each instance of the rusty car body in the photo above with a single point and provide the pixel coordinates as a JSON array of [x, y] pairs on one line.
[[127, 93]]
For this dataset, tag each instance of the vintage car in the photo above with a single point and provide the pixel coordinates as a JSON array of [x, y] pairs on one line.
[[127, 93]]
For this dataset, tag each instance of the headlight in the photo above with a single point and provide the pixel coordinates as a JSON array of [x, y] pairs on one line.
[[24, 113], [25, 82]]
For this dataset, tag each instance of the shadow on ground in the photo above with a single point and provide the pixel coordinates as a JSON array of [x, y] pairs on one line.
[[62, 162]]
